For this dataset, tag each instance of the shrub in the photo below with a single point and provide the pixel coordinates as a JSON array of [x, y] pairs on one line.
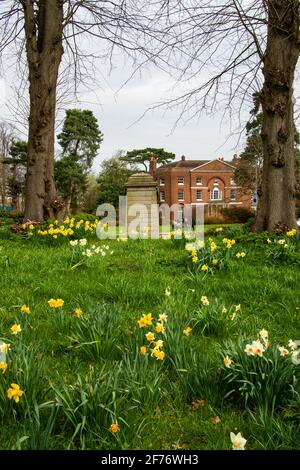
[[237, 214]]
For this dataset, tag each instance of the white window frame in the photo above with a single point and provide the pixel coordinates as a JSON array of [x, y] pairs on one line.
[[216, 181], [212, 195], [180, 178], [199, 183], [179, 198], [161, 181], [201, 198], [162, 196], [232, 182]]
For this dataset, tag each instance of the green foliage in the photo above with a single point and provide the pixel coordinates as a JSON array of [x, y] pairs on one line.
[[70, 177], [112, 180], [16, 162], [143, 156], [80, 140], [80, 137], [236, 215], [82, 374], [264, 382]]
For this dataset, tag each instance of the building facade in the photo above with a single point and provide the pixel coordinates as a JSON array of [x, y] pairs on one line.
[[207, 182]]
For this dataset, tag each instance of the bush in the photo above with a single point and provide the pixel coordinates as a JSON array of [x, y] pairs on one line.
[[236, 214], [209, 220]]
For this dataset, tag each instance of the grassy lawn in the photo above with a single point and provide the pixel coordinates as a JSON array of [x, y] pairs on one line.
[[81, 374]]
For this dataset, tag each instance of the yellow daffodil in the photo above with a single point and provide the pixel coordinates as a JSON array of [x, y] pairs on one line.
[[159, 328], [204, 268], [195, 259], [150, 336], [263, 333], [56, 303], [25, 309], [204, 300], [78, 312], [143, 350], [187, 331], [16, 329], [238, 308], [159, 344], [14, 392], [158, 354], [3, 367], [215, 262], [213, 246], [145, 320], [227, 361], [114, 427], [291, 233]]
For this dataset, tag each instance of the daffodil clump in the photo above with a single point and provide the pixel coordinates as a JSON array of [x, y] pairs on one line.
[[260, 372], [282, 248], [213, 319], [68, 228], [155, 328], [210, 256], [83, 253], [14, 391]]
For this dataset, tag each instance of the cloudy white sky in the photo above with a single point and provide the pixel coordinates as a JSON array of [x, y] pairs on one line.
[[120, 118]]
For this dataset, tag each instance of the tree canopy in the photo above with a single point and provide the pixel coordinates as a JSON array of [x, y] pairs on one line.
[[80, 137], [112, 179], [143, 156]]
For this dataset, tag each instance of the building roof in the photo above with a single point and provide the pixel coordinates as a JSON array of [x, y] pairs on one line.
[[184, 164], [191, 164]]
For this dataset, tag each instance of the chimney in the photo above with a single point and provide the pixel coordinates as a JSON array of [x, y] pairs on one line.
[[152, 168], [221, 159], [183, 158]]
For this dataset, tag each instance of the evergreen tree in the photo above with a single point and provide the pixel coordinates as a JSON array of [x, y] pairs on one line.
[[143, 156], [80, 140]]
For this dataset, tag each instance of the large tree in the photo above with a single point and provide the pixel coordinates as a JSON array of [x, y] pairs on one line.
[[231, 49], [50, 29], [143, 157], [80, 141]]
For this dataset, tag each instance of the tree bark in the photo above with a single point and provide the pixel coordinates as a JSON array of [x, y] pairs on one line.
[[43, 30], [277, 192], [3, 181]]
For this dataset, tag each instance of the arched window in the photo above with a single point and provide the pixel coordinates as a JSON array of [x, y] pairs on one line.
[[215, 194]]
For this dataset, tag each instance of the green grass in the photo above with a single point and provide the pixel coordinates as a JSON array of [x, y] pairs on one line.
[[82, 374]]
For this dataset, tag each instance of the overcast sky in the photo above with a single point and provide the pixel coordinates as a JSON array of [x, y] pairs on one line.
[[118, 111]]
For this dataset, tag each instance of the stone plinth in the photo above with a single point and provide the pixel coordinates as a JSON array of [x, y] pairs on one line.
[[142, 206]]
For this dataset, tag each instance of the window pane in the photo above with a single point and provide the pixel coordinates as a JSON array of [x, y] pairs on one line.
[[199, 195], [180, 196]]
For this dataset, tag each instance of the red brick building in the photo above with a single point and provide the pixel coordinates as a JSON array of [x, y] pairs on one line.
[[208, 182]]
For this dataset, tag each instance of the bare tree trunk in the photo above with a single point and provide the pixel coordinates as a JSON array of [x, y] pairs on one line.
[[44, 52], [278, 189], [69, 200], [2, 181]]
